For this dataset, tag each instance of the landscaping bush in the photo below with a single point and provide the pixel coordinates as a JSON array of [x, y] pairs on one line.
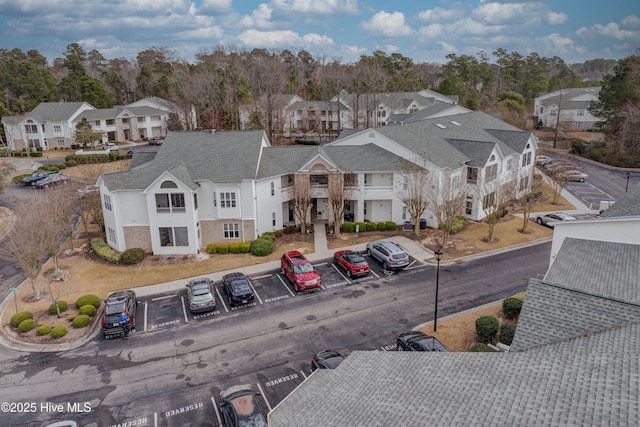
[[212, 248], [223, 248], [88, 310], [60, 166], [391, 226], [381, 226], [362, 227], [511, 307], [88, 299], [234, 248], [104, 251], [43, 330], [487, 328], [70, 157], [481, 348], [371, 226], [91, 159], [245, 247], [80, 321], [132, 256], [26, 325], [58, 332], [62, 305], [71, 163], [507, 331], [269, 235], [348, 227], [17, 318], [262, 246], [459, 224]]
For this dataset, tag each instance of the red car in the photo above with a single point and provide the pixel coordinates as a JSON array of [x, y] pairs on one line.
[[300, 272], [353, 264]]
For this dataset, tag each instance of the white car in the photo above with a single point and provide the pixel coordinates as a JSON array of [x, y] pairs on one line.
[[543, 160], [551, 219], [574, 176], [111, 146]]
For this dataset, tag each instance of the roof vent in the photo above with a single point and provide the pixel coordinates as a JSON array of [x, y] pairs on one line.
[[453, 122], [441, 126]]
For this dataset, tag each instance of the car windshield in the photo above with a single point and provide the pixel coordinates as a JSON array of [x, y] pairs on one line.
[[116, 307], [432, 344], [355, 259], [240, 286], [248, 411], [303, 268], [201, 293], [399, 256]]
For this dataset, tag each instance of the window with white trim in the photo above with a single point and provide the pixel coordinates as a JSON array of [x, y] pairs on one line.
[[215, 200], [231, 231], [469, 205], [491, 172], [227, 200], [57, 128], [31, 128], [526, 159], [273, 188], [60, 142], [174, 236], [111, 235], [273, 219], [404, 213], [489, 200], [107, 202], [170, 203], [580, 113]]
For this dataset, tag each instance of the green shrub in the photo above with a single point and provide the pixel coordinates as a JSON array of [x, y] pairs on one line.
[[26, 325], [88, 299], [262, 247], [132, 256], [88, 310], [80, 321], [70, 157], [36, 154], [269, 235], [487, 328], [113, 156], [104, 251], [520, 295], [391, 226], [459, 224], [234, 248], [362, 226], [212, 248], [91, 159], [17, 318], [371, 226], [58, 332], [348, 227], [43, 330], [62, 305], [381, 226], [507, 331], [61, 166], [223, 248], [71, 163], [245, 247], [511, 307], [481, 348]]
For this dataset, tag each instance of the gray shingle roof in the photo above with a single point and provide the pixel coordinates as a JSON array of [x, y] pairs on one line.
[[111, 113], [627, 205], [55, 111], [220, 157], [423, 114]]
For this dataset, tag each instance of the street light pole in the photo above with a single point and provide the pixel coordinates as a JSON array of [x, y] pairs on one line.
[[627, 186], [438, 254]]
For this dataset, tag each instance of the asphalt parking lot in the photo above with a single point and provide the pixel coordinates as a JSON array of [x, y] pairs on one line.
[[589, 194]]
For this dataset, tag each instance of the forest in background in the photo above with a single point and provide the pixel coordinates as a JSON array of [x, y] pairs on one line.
[[218, 82]]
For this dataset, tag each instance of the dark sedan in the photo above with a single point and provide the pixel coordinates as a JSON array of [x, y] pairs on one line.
[[353, 264], [237, 288], [419, 341], [327, 359]]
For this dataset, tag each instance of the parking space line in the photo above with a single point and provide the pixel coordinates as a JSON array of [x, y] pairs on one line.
[[264, 276], [145, 316], [215, 408], [256, 292], [303, 374], [222, 300], [184, 310], [374, 273], [408, 267], [321, 263], [164, 297], [155, 418], [340, 273], [285, 285], [264, 397]]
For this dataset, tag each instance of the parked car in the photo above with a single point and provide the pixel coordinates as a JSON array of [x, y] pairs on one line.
[[418, 341], [327, 359], [353, 264], [550, 218], [35, 177], [156, 140], [201, 296], [239, 407], [543, 160], [116, 303], [51, 181], [390, 255], [110, 146], [300, 272], [237, 288], [574, 176]]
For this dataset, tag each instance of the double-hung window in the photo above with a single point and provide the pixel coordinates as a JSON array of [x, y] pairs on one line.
[[227, 200]]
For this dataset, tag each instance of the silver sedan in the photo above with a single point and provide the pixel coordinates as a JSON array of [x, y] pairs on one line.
[[551, 218]]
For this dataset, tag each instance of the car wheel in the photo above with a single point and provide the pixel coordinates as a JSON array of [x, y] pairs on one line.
[[539, 221], [399, 348], [282, 270], [386, 266], [295, 286], [230, 302], [368, 251], [349, 273], [581, 179]]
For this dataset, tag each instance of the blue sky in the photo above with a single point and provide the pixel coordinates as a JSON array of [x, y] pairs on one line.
[[426, 31]]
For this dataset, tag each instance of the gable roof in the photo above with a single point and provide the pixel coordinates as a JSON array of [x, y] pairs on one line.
[[110, 113], [627, 205], [436, 109], [220, 157], [56, 111]]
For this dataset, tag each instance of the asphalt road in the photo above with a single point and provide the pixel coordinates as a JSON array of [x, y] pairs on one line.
[[172, 375]]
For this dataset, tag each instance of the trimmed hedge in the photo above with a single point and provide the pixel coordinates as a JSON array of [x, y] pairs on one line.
[[481, 348], [43, 330], [245, 247], [234, 248], [17, 318], [80, 321], [348, 227], [104, 251], [381, 226], [62, 305], [87, 309], [223, 248], [507, 331], [362, 227], [459, 224], [88, 299], [212, 248], [487, 328], [58, 332], [26, 325], [391, 225], [132, 256], [71, 163], [269, 235], [371, 226], [511, 307], [263, 245]]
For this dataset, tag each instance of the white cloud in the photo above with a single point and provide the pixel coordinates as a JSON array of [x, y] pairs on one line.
[[560, 44], [322, 7], [438, 14], [387, 24], [215, 6], [260, 18], [556, 18], [507, 13], [430, 32], [270, 39], [631, 21], [611, 30], [313, 39], [471, 27]]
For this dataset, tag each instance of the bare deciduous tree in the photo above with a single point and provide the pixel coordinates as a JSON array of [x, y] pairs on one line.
[[7, 170], [496, 199], [301, 200], [415, 193], [529, 200], [558, 177], [54, 290], [339, 195], [447, 202], [94, 206]]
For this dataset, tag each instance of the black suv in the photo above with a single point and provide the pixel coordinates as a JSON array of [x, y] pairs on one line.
[[239, 407], [418, 341], [238, 289], [116, 303]]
